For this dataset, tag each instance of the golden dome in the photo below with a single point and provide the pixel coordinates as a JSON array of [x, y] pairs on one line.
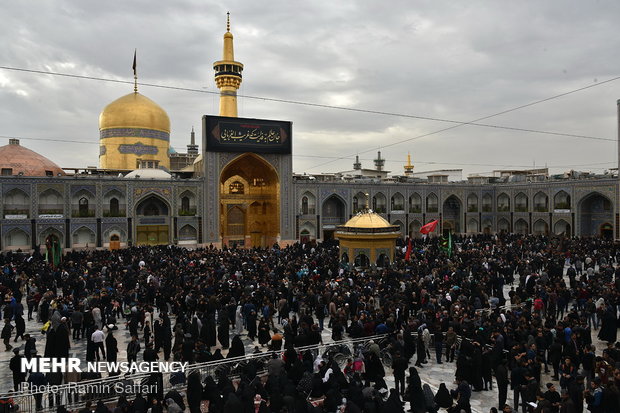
[[134, 111], [368, 220]]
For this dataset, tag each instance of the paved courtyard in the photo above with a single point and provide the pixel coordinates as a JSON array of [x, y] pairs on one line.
[[432, 373]]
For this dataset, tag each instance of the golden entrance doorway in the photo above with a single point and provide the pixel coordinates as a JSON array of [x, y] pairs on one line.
[[152, 234], [249, 202]]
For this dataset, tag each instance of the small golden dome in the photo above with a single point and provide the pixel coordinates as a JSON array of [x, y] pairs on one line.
[[134, 111], [367, 220]]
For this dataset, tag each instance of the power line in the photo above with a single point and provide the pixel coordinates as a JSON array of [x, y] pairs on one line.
[[357, 110], [473, 122], [319, 156]]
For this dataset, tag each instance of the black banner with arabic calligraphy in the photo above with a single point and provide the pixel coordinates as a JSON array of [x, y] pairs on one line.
[[226, 134]]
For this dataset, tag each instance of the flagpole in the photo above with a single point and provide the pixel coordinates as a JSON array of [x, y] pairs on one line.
[[135, 73]]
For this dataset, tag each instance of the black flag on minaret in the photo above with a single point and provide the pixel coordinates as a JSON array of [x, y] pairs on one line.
[[134, 63]]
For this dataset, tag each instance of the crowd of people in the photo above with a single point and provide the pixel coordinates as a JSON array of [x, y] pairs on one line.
[[436, 307]]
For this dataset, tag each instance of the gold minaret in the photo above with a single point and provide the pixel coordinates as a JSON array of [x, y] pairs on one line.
[[409, 166], [228, 75]]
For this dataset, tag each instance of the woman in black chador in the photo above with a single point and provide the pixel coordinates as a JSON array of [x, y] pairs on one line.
[[236, 349], [263, 332], [223, 335]]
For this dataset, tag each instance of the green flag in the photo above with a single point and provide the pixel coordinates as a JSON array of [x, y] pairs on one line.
[[57, 254], [446, 244]]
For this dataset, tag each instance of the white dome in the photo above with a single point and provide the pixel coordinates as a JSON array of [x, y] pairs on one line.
[[148, 173]]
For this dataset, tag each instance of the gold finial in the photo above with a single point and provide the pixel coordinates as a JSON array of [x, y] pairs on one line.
[[135, 73], [408, 166], [367, 201], [228, 21]]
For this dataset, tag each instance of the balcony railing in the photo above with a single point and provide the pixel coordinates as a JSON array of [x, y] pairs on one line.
[[431, 209], [472, 208], [17, 210], [333, 220], [308, 211], [187, 212], [415, 209], [380, 210], [76, 213], [119, 213], [520, 208], [541, 208], [51, 209], [487, 208], [503, 208], [562, 205]]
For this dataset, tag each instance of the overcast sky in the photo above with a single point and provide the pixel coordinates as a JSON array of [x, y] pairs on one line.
[[442, 59]]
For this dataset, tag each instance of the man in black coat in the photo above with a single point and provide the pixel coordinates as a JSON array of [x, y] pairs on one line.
[[399, 366], [501, 375], [15, 365], [6, 334], [133, 348], [149, 353], [518, 382]]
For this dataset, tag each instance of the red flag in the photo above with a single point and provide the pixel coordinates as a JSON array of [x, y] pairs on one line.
[[408, 253], [430, 227]]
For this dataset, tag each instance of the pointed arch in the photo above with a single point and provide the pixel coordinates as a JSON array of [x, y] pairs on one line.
[[541, 202], [379, 203], [415, 203], [362, 260], [188, 233], [152, 205], [541, 227], [562, 227], [46, 232], [414, 229], [261, 183], [359, 202], [595, 210], [114, 203], [452, 216], [561, 200], [487, 226], [114, 232], [51, 202], [487, 203], [503, 225], [503, 202], [401, 227], [472, 203], [187, 203], [521, 202], [522, 227], [308, 203], [472, 226], [17, 238], [307, 232], [83, 236], [16, 202], [397, 202], [83, 204], [432, 203]]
